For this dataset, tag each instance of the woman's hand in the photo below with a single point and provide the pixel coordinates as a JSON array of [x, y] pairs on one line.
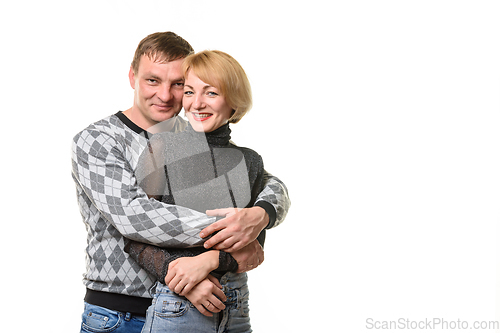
[[207, 296], [185, 273]]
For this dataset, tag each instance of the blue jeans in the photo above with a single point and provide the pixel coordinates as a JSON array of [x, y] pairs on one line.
[[171, 313], [96, 319]]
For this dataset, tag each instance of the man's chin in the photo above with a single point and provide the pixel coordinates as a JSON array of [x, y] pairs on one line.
[[160, 116]]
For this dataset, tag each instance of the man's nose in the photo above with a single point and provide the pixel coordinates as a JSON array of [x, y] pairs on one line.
[[164, 94]]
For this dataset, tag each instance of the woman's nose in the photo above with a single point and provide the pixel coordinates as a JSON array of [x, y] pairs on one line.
[[198, 102]]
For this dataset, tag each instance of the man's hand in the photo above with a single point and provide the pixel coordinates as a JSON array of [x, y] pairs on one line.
[[207, 296], [237, 230], [185, 273], [249, 257]]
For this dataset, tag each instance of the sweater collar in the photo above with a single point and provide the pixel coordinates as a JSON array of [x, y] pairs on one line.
[[219, 137]]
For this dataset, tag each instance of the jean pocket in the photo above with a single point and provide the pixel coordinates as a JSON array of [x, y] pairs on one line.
[[170, 306], [97, 319]]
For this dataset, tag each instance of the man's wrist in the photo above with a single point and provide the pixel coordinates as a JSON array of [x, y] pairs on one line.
[[264, 220], [270, 214]]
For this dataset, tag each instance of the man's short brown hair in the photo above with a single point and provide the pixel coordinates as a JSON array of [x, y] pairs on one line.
[[161, 47]]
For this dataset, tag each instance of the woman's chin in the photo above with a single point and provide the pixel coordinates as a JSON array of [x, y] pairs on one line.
[[196, 125]]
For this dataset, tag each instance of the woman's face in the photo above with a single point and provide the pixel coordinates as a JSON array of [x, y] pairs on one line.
[[205, 107]]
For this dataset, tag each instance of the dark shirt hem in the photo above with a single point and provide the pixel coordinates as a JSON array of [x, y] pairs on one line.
[[137, 306]]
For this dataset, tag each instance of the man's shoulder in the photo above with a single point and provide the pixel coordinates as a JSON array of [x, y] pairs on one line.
[[105, 124], [111, 126]]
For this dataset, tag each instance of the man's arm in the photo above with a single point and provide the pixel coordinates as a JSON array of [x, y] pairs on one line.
[[102, 172], [275, 194], [242, 226]]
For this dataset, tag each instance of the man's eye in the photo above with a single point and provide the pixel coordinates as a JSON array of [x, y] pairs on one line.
[[179, 84], [152, 81]]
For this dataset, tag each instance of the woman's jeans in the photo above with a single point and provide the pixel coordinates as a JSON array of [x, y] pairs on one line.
[[96, 319], [172, 313]]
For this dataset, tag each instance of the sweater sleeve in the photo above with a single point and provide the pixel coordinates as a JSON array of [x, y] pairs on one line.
[[274, 199], [155, 260], [104, 176]]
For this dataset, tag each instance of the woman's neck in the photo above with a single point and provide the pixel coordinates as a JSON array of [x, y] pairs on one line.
[[219, 137]]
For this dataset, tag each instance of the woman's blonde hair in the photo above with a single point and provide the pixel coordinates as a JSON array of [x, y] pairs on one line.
[[223, 72]]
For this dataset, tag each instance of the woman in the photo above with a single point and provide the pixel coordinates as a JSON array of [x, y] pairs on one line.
[[201, 169]]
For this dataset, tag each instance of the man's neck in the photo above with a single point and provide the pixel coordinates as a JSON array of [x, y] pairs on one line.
[[132, 115]]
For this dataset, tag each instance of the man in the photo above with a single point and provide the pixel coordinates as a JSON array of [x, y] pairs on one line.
[[114, 207]]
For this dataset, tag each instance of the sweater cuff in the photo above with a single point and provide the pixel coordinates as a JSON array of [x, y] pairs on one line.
[[269, 210], [227, 263]]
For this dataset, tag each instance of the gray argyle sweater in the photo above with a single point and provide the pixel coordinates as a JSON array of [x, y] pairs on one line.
[[114, 207]]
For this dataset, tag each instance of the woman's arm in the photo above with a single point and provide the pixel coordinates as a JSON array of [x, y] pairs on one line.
[[186, 272], [180, 269]]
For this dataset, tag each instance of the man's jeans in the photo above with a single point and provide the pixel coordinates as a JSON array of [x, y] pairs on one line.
[[96, 319], [175, 314]]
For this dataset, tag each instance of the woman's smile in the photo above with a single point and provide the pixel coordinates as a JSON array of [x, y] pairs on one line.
[[199, 116]]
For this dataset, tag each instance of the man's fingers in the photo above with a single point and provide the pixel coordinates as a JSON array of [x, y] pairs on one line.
[[225, 244], [213, 228], [216, 239], [220, 211], [220, 224], [229, 246]]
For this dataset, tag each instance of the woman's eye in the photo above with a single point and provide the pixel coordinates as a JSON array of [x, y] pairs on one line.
[[211, 93], [188, 92]]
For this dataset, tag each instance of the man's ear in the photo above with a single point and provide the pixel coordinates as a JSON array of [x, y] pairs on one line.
[[131, 77]]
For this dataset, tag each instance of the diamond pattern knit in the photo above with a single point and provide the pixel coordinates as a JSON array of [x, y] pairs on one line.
[[113, 206]]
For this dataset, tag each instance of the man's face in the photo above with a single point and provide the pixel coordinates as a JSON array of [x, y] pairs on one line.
[[158, 91]]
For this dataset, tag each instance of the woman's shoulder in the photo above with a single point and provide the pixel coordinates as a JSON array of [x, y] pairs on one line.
[[250, 154]]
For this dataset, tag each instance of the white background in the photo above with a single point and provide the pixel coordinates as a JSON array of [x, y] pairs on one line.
[[382, 117]]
